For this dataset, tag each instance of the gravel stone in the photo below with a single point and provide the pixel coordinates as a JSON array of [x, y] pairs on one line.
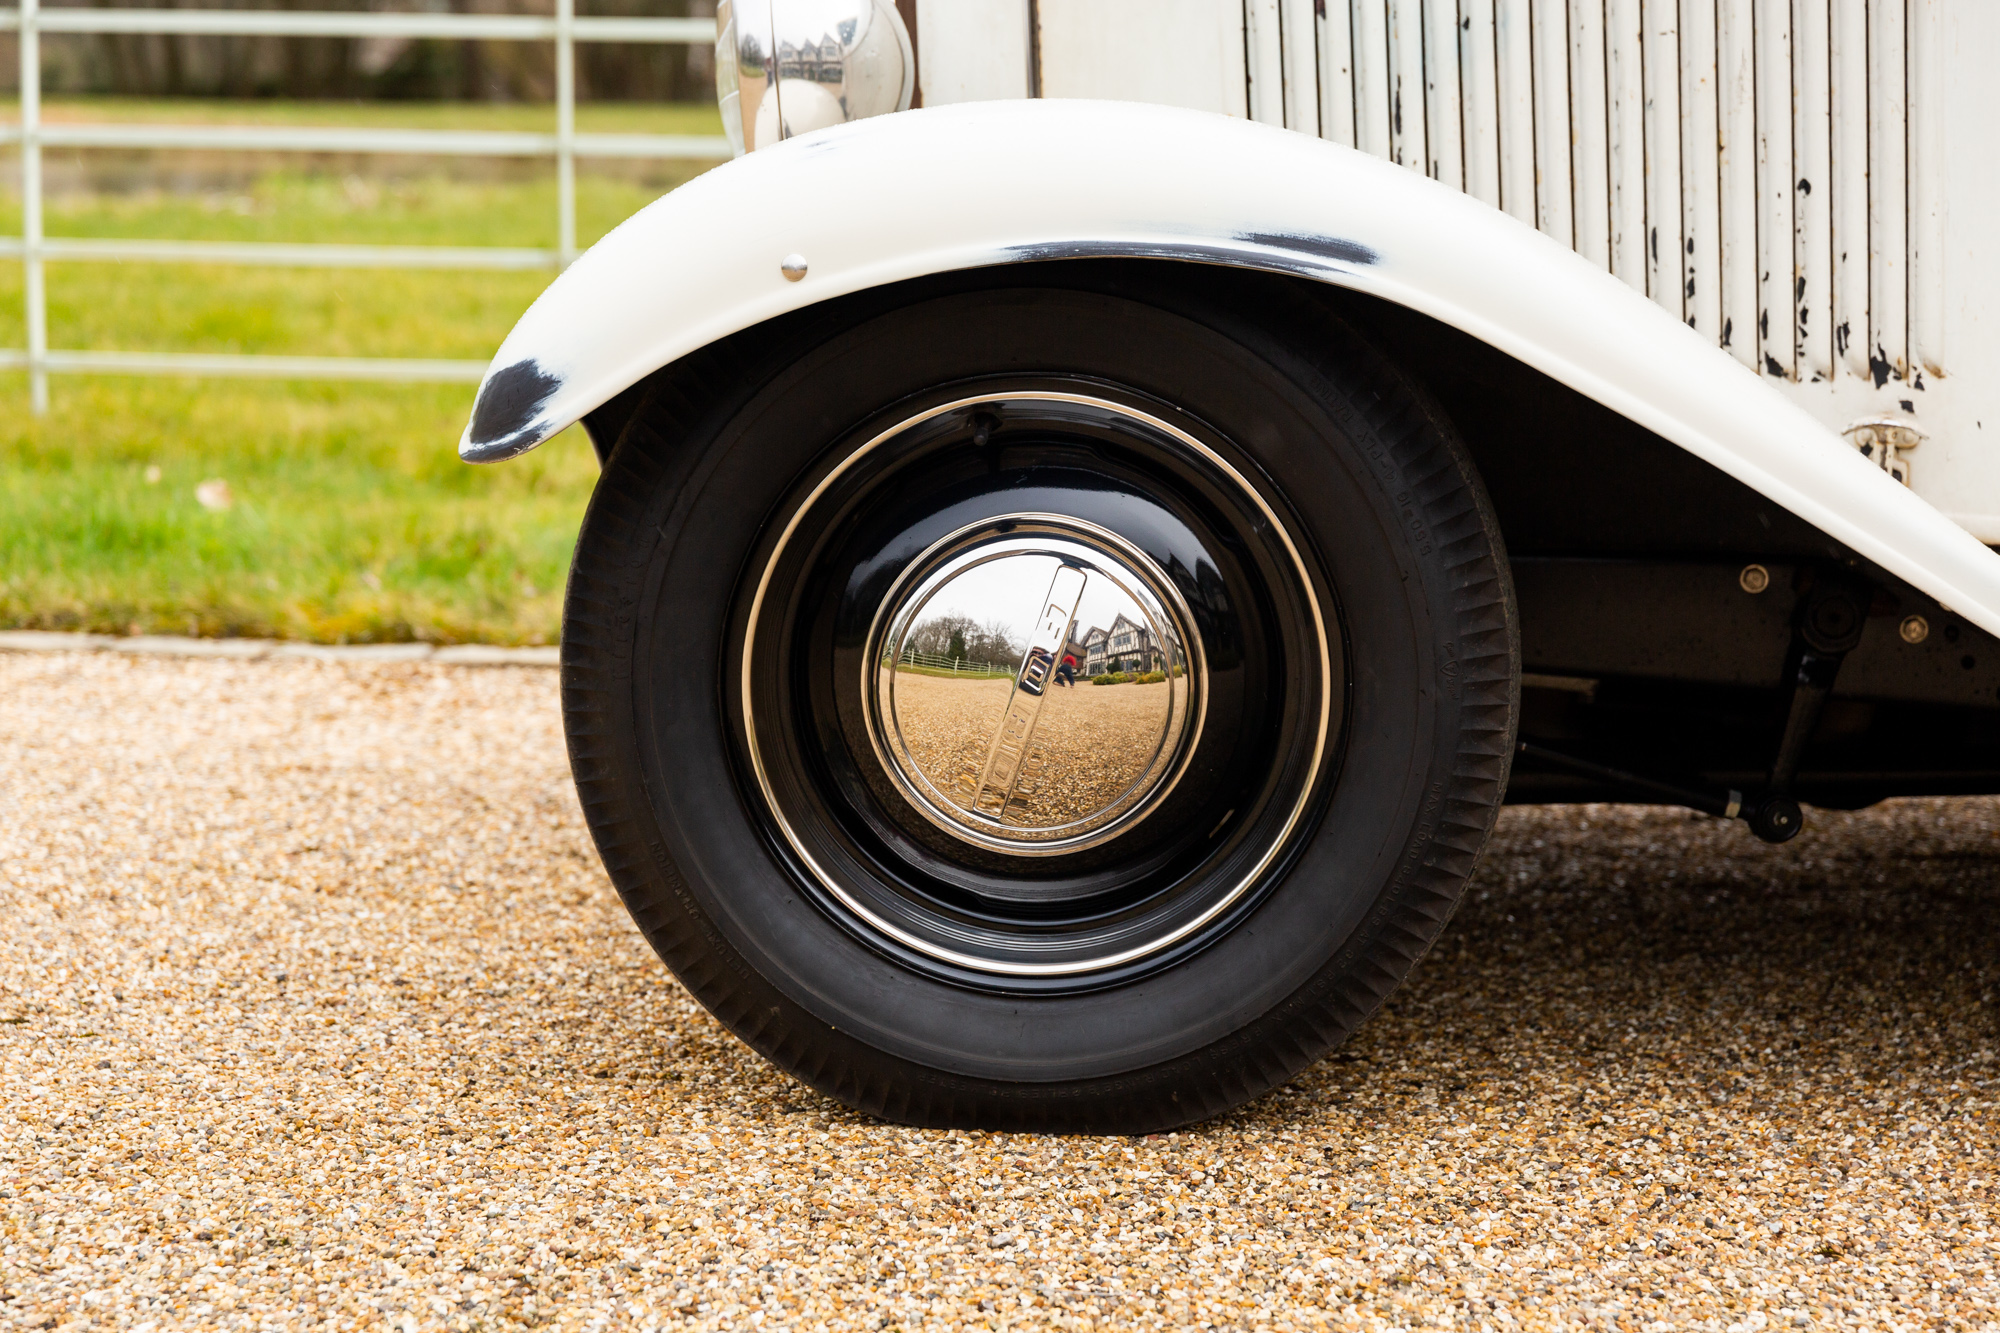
[[316, 1011]]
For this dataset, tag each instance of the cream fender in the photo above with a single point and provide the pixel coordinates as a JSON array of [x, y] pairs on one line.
[[959, 187]]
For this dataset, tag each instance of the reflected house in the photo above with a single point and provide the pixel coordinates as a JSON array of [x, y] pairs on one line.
[[1093, 651], [823, 61], [1126, 646]]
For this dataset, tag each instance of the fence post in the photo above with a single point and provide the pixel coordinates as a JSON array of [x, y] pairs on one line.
[[566, 130], [35, 304]]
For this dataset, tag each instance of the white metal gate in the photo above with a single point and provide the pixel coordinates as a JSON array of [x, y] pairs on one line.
[[565, 145]]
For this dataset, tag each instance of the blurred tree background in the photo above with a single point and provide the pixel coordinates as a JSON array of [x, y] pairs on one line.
[[156, 65], [959, 636]]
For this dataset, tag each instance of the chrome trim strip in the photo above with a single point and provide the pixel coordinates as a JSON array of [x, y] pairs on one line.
[[1009, 749]]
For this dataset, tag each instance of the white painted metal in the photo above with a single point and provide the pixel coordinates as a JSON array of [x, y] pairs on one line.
[[687, 147], [1701, 169], [1513, 49], [1958, 467], [1812, 306], [972, 50], [1589, 127], [1929, 75], [1777, 239], [310, 139], [276, 23], [35, 292], [1480, 63], [1299, 49], [1194, 48], [1888, 181], [1806, 178], [1737, 117], [1554, 201], [1372, 83], [1625, 80], [406, 370], [1264, 54], [1666, 252], [1408, 143], [1148, 180], [1443, 113], [1849, 183], [279, 254], [1769, 171], [34, 248], [566, 128], [1334, 27]]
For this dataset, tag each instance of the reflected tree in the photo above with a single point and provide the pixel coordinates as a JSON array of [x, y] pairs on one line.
[[962, 637]]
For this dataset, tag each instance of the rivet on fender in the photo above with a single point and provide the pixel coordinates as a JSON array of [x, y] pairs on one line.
[[793, 267]]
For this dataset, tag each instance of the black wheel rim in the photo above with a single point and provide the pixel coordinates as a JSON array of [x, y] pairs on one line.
[[1081, 476]]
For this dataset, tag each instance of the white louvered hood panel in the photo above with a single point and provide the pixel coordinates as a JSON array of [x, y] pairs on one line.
[[1774, 172], [1758, 167]]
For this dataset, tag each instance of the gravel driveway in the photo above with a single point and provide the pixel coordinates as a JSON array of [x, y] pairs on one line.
[[316, 1010]]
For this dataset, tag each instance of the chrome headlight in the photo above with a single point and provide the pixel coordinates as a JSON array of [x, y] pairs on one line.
[[783, 67]]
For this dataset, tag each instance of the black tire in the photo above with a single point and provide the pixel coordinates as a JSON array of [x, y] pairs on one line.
[[716, 753]]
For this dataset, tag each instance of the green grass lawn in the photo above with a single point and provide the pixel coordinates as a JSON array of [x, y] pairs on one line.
[[352, 518]]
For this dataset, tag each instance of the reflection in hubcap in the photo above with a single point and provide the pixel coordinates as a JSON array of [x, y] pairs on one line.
[[979, 681]]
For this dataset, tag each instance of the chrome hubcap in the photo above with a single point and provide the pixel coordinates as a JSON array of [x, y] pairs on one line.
[[983, 711]]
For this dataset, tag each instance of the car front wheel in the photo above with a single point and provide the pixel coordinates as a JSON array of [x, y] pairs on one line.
[[838, 657]]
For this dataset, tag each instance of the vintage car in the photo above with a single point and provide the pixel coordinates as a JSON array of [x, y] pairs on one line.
[[1460, 401]]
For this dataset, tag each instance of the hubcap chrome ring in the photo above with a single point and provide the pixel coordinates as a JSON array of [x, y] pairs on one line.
[[1322, 708]]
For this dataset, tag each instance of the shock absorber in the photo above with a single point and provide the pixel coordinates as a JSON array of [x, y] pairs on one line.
[[1825, 628]]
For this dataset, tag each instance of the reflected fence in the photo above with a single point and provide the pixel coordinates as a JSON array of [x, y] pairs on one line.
[[954, 666], [565, 145]]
